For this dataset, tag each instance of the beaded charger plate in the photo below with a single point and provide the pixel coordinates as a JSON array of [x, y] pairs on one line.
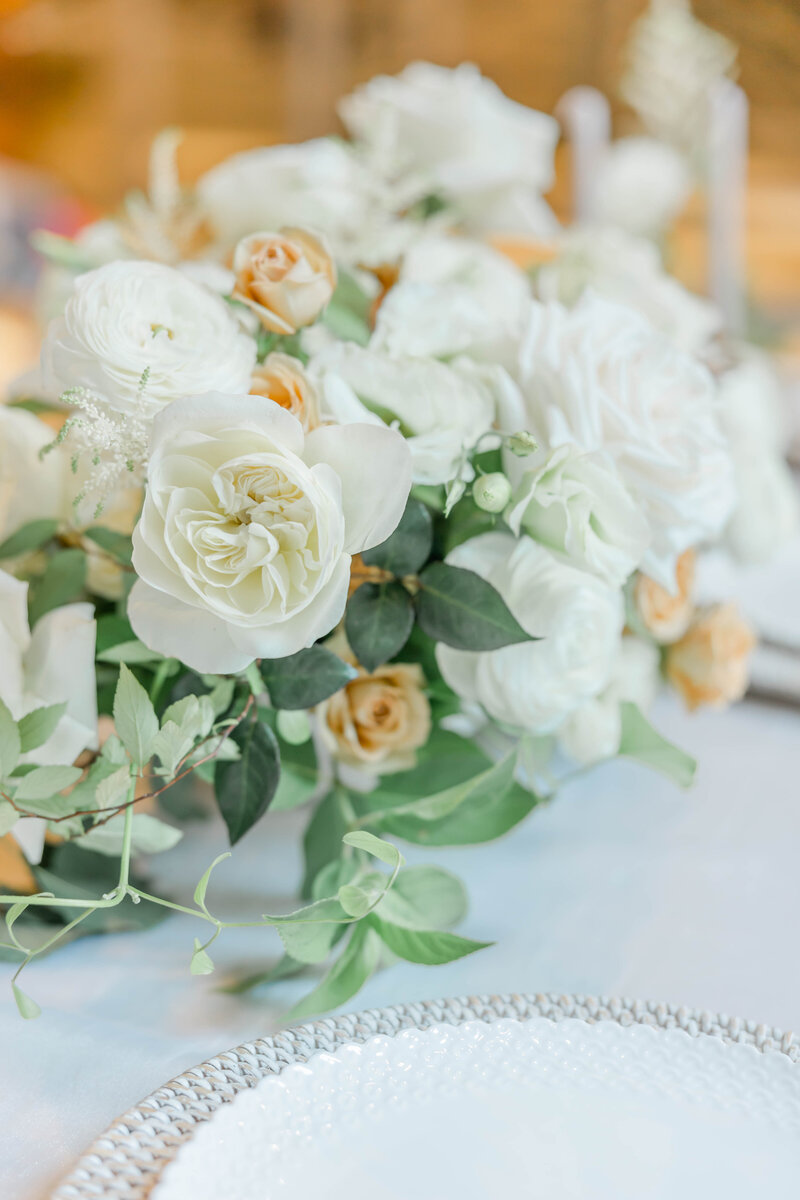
[[560, 1096]]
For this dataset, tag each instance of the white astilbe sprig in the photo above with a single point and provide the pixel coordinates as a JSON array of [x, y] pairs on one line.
[[111, 446]]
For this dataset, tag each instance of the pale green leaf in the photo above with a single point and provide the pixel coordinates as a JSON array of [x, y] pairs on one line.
[[202, 887], [356, 900], [28, 1008], [202, 963], [8, 817], [346, 977], [36, 727], [29, 537], [10, 744], [112, 789], [149, 836], [133, 651], [134, 717], [424, 898], [43, 782], [643, 743], [430, 947], [385, 851]]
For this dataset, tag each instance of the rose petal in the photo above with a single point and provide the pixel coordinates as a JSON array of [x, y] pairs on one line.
[[200, 640]]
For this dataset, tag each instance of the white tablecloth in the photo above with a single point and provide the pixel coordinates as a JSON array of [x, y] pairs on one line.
[[624, 885]]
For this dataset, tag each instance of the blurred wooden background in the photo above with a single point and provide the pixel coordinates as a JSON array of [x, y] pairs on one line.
[[84, 84]]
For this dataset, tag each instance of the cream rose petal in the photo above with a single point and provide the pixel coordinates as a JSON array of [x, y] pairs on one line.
[[374, 465], [59, 666], [183, 631]]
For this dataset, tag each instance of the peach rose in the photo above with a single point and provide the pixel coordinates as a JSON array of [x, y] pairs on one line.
[[665, 615], [287, 278], [709, 663], [379, 719], [281, 378]]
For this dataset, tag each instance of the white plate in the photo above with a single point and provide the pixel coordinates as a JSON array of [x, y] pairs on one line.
[[563, 1098]]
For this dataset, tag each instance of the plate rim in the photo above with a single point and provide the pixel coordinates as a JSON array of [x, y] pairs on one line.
[[127, 1160]]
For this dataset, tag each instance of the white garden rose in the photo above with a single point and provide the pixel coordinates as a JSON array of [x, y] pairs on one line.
[[454, 296], [140, 334], [535, 686], [628, 270], [244, 543], [442, 409], [320, 185], [453, 134], [601, 378], [53, 664], [31, 487], [576, 504], [641, 186]]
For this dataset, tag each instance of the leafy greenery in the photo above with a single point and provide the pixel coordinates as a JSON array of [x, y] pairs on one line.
[[379, 620], [244, 788], [408, 548], [28, 538], [462, 610], [304, 679], [641, 742]]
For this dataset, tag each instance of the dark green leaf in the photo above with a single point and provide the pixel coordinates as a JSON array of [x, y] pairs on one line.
[[643, 743], [346, 977], [408, 548], [322, 843], [306, 678], [118, 546], [37, 726], [379, 618], [462, 610], [31, 536], [430, 947], [245, 788], [63, 581]]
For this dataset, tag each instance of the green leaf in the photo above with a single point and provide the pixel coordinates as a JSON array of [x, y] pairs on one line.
[[31, 536], [462, 610], [245, 788], [347, 315], [322, 842], [641, 742], [490, 783], [357, 900], [378, 621], [44, 782], [481, 818], [63, 581], [430, 947], [8, 817], [424, 898], [408, 548], [134, 717], [304, 679], [309, 932], [202, 887], [202, 963], [377, 847], [36, 727], [299, 777], [149, 836], [346, 977], [10, 743], [113, 631], [28, 1008], [118, 546], [129, 652]]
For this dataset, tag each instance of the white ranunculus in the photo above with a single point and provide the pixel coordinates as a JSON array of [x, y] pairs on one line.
[[453, 134], [536, 685], [576, 504], [54, 664], [244, 543], [454, 296], [31, 488], [443, 409], [641, 186], [140, 334], [628, 270], [601, 378]]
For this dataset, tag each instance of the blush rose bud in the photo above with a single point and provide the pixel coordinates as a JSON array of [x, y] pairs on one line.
[[287, 278], [491, 492]]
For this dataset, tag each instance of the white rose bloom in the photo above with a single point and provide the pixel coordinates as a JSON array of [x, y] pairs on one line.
[[628, 270], [641, 186], [130, 317], [54, 664], [243, 546], [576, 504], [593, 731], [454, 296], [453, 134], [443, 409], [31, 487], [318, 185], [601, 378], [752, 414], [536, 685]]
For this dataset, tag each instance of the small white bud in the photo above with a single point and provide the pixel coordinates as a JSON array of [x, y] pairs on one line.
[[294, 726], [491, 492], [522, 443]]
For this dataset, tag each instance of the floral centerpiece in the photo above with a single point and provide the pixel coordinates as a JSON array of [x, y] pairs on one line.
[[320, 499]]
